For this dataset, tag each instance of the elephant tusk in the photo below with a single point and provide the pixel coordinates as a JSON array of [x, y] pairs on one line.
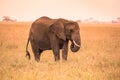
[[76, 44]]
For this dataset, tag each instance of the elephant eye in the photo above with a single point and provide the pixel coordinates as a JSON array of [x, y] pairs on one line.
[[71, 30]]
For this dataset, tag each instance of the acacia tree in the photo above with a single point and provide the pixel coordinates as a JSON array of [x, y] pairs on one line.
[[7, 18], [118, 19]]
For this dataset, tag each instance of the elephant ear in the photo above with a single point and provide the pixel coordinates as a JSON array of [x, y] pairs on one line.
[[58, 28]]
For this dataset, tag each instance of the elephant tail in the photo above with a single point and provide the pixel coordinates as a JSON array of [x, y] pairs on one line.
[[27, 52]]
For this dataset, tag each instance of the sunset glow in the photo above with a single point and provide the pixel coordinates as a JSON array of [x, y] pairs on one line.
[[29, 10]]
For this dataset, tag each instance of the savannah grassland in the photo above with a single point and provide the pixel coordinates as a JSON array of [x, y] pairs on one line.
[[98, 59]]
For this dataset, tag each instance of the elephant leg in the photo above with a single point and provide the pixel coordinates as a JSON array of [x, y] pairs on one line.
[[40, 52], [65, 50], [56, 54], [36, 54], [35, 50], [55, 47]]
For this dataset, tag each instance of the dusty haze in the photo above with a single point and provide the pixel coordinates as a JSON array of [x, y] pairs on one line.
[[104, 10]]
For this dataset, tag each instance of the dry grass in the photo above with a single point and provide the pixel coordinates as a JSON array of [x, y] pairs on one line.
[[98, 59]]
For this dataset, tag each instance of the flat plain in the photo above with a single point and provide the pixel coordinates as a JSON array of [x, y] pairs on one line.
[[98, 59]]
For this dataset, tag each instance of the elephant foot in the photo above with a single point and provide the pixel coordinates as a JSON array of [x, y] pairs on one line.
[[37, 59], [57, 58], [64, 57]]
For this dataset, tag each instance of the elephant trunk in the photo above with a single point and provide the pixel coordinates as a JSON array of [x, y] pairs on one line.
[[74, 46], [75, 43]]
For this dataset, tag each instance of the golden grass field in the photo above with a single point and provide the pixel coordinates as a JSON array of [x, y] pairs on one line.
[[98, 59]]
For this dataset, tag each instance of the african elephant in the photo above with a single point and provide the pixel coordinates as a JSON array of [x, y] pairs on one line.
[[53, 34]]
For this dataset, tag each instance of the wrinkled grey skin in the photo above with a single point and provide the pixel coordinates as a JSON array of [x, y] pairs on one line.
[[53, 34]]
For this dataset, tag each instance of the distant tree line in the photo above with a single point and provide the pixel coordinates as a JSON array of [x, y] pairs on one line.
[[91, 19], [8, 19], [117, 20]]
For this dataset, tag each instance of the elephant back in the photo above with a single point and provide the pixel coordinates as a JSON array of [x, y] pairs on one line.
[[44, 20]]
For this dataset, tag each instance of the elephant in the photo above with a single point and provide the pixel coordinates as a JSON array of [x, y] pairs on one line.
[[53, 34]]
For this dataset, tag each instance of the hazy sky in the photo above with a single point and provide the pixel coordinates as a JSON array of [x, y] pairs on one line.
[[70, 9]]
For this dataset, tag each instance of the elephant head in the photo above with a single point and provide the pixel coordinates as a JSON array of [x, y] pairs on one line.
[[68, 30], [73, 34]]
